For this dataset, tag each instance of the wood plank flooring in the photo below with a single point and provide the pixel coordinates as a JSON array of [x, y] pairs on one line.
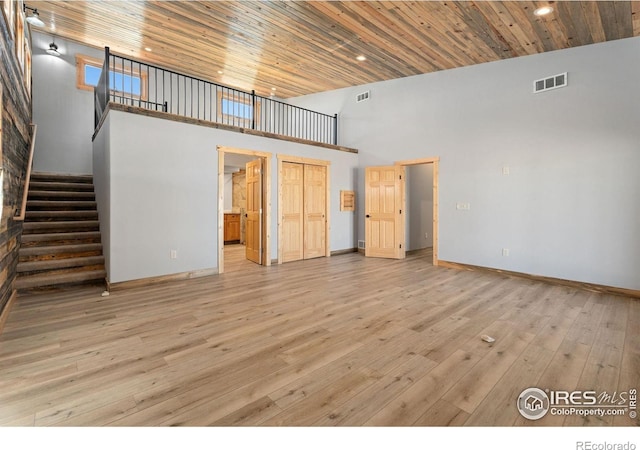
[[345, 340], [235, 259]]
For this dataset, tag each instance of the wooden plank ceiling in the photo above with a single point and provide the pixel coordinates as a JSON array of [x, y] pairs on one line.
[[302, 47]]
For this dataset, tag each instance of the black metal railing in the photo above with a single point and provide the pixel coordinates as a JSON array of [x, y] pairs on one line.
[[146, 86], [101, 91], [124, 100]]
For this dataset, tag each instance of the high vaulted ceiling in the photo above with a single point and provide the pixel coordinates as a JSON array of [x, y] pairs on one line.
[[302, 47]]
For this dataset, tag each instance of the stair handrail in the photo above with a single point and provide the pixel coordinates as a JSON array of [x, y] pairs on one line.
[[27, 180]]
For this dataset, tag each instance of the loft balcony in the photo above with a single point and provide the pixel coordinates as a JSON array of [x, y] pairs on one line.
[[136, 85]]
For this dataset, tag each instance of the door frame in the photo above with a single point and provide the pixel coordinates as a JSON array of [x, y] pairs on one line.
[[436, 163], [266, 201], [314, 162]]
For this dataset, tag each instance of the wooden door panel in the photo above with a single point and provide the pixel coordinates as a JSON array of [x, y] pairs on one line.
[[253, 236], [384, 222], [383, 234], [292, 211], [315, 209]]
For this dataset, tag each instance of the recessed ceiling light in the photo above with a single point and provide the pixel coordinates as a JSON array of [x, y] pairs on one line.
[[273, 89], [361, 58], [148, 49], [543, 11], [220, 72]]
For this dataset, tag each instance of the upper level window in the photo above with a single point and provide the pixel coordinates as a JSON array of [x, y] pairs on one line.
[[126, 82], [237, 109]]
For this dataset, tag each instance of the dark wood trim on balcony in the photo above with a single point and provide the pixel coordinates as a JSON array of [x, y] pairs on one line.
[[205, 123]]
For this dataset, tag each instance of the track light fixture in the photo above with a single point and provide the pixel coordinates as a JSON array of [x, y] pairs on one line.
[[34, 18]]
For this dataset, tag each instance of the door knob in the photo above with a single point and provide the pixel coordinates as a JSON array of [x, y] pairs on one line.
[[367, 216]]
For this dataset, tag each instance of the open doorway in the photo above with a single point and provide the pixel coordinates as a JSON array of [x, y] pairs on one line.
[[418, 220], [421, 206], [243, 232], [385, 201]]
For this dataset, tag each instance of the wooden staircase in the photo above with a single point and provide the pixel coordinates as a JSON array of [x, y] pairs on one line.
[[61, 234]]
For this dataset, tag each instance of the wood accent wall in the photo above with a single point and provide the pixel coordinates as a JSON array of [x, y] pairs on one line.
[[16, 135]]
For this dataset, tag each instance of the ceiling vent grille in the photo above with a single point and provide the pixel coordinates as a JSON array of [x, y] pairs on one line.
[[554, 82], [362, 97]]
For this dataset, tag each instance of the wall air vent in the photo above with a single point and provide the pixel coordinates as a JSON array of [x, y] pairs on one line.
[[554, 82], [362, 97], [361, 244]]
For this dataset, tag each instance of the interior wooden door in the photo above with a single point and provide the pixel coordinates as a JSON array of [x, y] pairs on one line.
[[315, 211], [253, 235], [384, 221], [292, 211]]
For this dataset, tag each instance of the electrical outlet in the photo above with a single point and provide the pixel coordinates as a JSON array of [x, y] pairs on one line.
[[505, 170], [505, 252], [426, 235], [463, 206], [174, 254]]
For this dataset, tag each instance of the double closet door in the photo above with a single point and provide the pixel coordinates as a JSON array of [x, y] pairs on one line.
[[304, 211]]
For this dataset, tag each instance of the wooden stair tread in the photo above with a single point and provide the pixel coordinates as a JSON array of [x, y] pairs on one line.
[[72, 225], [49, 205], [44, 237], [58, 249], [67, 178], [53, 264], [60, 186], [54, 279], [44, 194], [57, 215]]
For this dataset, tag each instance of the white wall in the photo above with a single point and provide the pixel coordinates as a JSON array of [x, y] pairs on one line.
[[163, 191], [570, 206], [101, 161], [63, 113], [419, 206]]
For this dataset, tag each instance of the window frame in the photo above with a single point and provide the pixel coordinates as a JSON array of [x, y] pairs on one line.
[[231, 119], [83, 60]]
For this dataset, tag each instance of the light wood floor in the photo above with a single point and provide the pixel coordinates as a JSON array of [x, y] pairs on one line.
[[332, 341], [235, 259]]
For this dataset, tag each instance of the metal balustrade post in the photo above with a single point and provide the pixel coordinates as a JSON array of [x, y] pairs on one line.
[[335, 129], [253, 109], [107, 75]]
